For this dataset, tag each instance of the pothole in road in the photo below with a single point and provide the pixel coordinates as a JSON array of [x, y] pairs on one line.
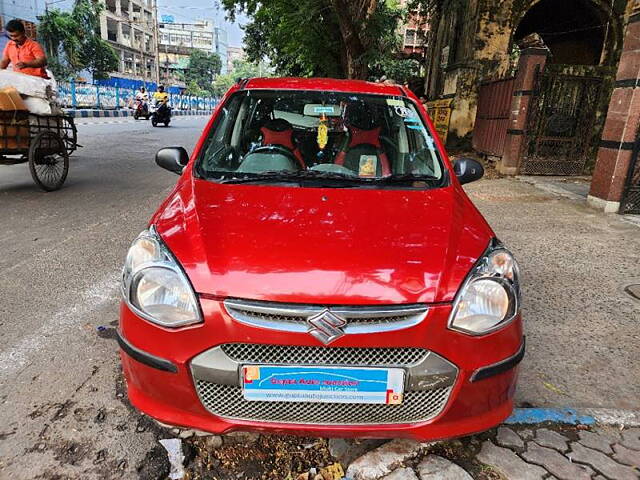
[[633, 291]]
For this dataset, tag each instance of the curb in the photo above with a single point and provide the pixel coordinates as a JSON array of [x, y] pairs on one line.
[[572, 416], [89, 113]]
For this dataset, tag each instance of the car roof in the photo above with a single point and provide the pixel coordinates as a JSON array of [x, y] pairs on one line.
[[331, 84]]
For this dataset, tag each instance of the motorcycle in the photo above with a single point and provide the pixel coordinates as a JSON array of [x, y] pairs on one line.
[[141, 110], [161, 113]]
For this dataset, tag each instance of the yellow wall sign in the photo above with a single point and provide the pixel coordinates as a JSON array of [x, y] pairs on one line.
[[440, 113]]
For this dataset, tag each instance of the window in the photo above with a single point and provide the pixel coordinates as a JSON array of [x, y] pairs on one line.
[[410, 37]]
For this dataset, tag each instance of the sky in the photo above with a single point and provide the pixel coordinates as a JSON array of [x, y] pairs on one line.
[[186, 11]]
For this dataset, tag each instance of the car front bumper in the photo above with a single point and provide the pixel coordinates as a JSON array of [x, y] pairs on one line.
[[173, 376]]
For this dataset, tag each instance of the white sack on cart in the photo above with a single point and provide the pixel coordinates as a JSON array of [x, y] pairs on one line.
[[28, 84], [40, 106]]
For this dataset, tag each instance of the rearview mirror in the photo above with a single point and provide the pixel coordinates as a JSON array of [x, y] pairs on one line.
[[173, 159], [468, 170]]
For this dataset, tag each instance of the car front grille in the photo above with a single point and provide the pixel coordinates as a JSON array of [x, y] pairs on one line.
[[346, 356], [227, 401], [293, 317]]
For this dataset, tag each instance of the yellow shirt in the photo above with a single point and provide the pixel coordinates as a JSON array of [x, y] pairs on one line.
[[161, 96]]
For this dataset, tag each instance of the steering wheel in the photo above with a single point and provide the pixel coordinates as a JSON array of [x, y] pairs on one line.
[[277, 149]]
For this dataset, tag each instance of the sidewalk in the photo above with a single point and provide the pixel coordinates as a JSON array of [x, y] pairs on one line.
[[514, 452], [94, 113]]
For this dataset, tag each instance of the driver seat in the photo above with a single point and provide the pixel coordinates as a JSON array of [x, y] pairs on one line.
[[280, 132]]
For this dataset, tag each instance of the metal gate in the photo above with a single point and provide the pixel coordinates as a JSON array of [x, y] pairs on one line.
[[492, 117], [560, 132], [631, 196]]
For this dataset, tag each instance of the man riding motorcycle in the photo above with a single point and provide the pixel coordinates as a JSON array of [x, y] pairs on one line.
[[162, 113]]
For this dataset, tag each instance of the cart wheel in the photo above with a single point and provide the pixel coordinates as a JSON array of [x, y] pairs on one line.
[[48, 161]]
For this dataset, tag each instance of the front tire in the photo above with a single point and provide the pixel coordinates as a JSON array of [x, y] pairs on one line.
[[136, 115], [154, 121]]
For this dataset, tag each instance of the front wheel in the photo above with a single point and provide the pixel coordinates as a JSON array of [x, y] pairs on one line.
[[136, 115], [48, 161], [154, 121]]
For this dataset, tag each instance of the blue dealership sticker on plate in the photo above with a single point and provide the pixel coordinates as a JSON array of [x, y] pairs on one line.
[[322, 384]]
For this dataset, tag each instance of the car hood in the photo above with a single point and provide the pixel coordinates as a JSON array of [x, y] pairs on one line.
[[323, 245]]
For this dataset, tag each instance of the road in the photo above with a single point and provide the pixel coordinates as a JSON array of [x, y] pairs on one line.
[[63, 408]]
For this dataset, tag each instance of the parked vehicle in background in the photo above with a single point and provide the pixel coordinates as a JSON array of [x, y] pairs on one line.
[[318, 269]]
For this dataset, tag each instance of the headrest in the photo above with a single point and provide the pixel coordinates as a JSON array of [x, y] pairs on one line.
[[278, 132], [364, 137], [277, 125]]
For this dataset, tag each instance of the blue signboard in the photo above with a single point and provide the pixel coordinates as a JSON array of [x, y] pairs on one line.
[[322, 384]]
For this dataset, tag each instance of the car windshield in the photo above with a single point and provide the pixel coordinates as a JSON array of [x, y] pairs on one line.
[[353, 139]]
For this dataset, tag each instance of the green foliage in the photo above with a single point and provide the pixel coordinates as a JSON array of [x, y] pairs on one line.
[[73, 43], [241, 69], [336, 38], [402, 70], [202, 69]]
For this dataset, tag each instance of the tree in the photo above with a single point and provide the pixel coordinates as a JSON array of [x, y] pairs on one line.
[[241, 69], [202, 68], [73, 43], [338, 38]]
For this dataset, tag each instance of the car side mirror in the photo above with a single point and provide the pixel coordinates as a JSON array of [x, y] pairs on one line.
[[173, 159], [468, 170]]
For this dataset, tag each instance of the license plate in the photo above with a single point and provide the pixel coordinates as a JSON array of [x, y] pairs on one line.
[[267, 383]]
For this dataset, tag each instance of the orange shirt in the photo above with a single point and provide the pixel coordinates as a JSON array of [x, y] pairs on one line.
[[27, 52]]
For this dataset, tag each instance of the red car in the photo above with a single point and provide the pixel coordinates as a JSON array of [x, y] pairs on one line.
[[319, 270]]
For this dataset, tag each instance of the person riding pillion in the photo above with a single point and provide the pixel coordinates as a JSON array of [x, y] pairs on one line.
[[142, 96], [24, 54]]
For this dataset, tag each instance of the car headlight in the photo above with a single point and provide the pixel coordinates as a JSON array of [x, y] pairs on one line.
[[154, 285], [490, 296]]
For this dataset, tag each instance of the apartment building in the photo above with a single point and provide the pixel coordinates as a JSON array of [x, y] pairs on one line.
[[177, 41], [414, 32], [130, 27], [234, 53]]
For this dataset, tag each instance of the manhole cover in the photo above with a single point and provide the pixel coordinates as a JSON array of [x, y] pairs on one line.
[[633, 290]]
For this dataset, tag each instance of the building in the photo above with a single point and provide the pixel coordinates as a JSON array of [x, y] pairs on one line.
[[130, 27], [221, 41], [476, 41], [234, 53], [547, 87], [414, 32], [177, 41]]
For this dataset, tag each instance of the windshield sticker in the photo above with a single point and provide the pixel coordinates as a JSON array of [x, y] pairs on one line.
[[416, 127], [394, 102], [368, 165]]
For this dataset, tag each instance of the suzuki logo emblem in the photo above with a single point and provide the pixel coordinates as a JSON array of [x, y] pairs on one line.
[[326, 326]]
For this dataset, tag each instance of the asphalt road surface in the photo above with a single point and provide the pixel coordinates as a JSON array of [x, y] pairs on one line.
[[63, 408]]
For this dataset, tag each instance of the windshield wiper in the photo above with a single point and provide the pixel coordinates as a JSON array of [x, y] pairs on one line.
[[320, 178], [257, 177], [406, 178]]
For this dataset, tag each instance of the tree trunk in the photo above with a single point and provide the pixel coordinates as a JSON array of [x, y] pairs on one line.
[[352, 18]]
